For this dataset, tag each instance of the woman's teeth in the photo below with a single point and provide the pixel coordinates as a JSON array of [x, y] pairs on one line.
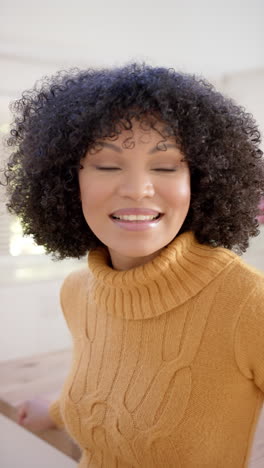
[[136, 217]]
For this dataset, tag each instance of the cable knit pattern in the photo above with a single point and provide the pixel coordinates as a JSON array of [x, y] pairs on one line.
[[168, 359]]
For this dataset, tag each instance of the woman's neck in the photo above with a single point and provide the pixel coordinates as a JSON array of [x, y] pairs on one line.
[[122, 263], [180, 271]]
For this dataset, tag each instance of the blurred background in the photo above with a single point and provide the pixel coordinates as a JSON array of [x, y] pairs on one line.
[[223, 41]]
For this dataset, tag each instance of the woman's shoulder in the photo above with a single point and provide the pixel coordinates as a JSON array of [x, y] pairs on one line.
[[247, 276], [73, 296], [75, 284], [76, 277]]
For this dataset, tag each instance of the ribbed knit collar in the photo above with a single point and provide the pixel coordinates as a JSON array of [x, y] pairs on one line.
[[180, 271]]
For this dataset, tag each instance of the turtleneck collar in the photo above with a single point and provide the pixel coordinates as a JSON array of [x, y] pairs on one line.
[[180, 271]]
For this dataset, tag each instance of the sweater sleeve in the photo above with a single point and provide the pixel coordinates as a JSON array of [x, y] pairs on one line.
[[54, 408], [249, 337], [55, 415]]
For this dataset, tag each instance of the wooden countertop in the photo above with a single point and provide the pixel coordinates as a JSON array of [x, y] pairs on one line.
[[40, 375]]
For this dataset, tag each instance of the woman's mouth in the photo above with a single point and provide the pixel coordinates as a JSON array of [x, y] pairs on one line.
[[137, 217], [137, 222]]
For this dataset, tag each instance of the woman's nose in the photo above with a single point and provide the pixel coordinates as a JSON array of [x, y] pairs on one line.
[[136, 187]]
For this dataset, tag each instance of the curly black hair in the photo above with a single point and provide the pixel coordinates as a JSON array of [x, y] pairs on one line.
[[66, 115]]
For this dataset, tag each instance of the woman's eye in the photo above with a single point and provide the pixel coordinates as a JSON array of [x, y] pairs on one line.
[[100, 168], [165, 170]]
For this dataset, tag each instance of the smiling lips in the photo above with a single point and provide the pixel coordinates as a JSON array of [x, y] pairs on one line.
[[136, 212], [136, 219]]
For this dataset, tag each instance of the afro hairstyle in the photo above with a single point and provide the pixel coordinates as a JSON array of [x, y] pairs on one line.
[[65, 115]]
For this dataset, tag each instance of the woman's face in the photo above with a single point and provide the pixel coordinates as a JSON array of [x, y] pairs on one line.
[[116, 182]]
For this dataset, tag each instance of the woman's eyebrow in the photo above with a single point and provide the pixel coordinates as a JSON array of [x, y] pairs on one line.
[[168, 145], [153, 150]]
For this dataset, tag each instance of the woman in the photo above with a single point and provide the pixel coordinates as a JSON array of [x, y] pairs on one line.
[[159, 177]]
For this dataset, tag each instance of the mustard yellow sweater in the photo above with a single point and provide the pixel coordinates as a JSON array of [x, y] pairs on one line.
[[168, 359]]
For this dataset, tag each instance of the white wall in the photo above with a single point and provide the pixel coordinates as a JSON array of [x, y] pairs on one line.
[[208, 37]]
